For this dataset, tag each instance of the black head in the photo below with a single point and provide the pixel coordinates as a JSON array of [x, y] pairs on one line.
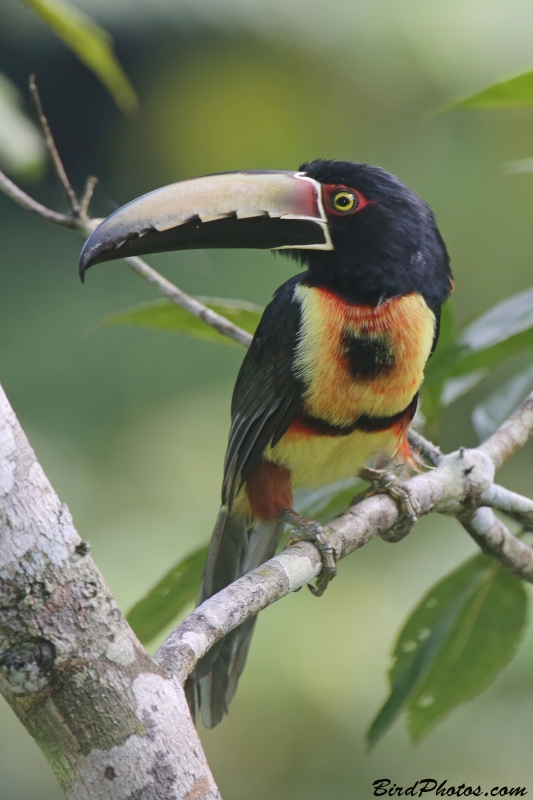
[[385, 238]]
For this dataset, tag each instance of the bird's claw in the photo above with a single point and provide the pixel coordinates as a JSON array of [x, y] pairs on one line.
[[385, 482], [307, 530]]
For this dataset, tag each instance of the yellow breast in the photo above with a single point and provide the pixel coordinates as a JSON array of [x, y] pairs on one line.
[[319, 460], [400, 329]]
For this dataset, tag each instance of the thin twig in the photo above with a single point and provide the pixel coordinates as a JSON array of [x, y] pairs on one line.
[[189, 303], [87, 195], [496, 540], [58, 164], [29, 204], [427, 449]]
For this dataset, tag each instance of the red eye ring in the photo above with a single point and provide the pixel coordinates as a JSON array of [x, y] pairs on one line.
[[337, 199]]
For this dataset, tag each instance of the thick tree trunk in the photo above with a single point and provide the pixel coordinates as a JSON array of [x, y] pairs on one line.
[[111, 721]]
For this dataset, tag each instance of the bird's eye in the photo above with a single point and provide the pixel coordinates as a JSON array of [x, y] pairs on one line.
[[343, 201]]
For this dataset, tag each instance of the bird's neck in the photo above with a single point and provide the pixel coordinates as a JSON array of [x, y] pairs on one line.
[[371, 278], [360, 287]]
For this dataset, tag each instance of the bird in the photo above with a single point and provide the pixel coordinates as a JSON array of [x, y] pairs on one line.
[[332, 376]]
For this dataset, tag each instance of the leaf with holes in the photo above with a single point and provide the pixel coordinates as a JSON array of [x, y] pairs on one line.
[[169, 597], [461, 635]]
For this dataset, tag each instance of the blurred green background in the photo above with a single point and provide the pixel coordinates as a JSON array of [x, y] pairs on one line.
[[131, 425]]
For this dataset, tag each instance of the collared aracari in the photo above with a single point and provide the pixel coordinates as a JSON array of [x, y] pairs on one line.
[[333, 372]]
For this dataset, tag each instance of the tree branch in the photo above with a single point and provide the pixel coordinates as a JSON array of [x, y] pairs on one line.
[[79, 220], [456, 487], [514, 505], [29, 204], [87, 195], [52, 149], [497, 541], [427, 449]]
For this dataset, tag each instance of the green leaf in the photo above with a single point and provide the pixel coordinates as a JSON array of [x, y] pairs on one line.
[[489, 415], [511, 316], [438, 368], [454, 388], [448, 328], [417, 647], [22, 150], [456, 641], [514, 92], [482, 642], [494, 355], [503, 331], [90, 43], [169, 597], [164, 315]]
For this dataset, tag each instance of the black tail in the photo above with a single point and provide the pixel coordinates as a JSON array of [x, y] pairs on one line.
[[236, 548]]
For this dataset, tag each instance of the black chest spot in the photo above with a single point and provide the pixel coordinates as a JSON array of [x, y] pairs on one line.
[[367, 356]]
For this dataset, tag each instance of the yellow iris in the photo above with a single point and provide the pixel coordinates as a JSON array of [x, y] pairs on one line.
[[344, 201]]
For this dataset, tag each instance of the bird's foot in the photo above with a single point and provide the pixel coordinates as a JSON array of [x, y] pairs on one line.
[[308, 530], [385, 482]]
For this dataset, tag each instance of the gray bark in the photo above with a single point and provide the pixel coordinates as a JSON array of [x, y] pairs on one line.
[[112, 723]]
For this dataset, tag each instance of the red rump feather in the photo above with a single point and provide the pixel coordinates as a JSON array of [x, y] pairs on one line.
[[269, 490]]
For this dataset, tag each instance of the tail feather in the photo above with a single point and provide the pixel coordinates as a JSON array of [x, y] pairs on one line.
[[236, 548]]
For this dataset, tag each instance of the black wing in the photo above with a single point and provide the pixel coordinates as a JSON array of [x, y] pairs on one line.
[[435, 342], [267, 395]]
